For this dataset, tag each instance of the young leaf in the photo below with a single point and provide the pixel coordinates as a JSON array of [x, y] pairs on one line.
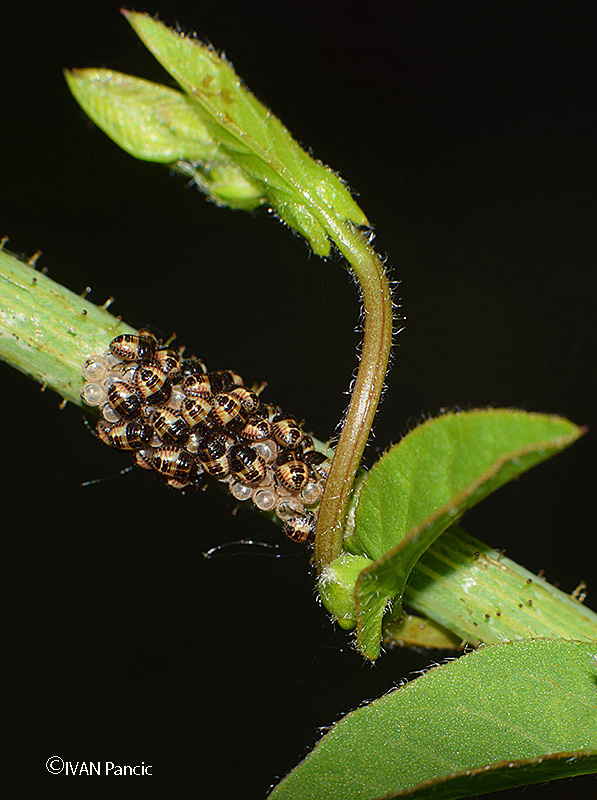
[[155, 123], [294, 183], [217, 126], [423, 484], [149, 121], [256, 161], [502, 716]]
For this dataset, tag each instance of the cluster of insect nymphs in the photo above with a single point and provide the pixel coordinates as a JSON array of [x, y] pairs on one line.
[[187, 423]]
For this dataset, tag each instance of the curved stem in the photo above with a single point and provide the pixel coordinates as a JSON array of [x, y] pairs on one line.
[[47, 331], [377, 305]]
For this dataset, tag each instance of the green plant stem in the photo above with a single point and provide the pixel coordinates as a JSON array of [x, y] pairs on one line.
[[47, 331], [366, 391], [484, 597], [242, 155]]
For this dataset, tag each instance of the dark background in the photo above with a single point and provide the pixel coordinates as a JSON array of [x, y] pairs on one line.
[[468, 132]]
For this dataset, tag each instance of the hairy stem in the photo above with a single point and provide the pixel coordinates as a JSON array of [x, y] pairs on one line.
[[484, 597], [47, 331], [242, 156], [378, 328]]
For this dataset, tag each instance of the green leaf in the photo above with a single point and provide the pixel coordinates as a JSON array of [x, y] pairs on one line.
[[502, 716], [336, 587], [149, 121], [303, 191], [256, 161], [237, 151], [413, 631], [425, 483], [155, 123]]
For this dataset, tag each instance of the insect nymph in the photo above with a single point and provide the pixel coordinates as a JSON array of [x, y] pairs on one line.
[[184, 423]]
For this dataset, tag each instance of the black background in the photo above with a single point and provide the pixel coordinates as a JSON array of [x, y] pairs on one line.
[[468, 132]]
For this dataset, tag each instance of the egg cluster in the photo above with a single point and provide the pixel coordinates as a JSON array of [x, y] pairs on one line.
[[186, 423]]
